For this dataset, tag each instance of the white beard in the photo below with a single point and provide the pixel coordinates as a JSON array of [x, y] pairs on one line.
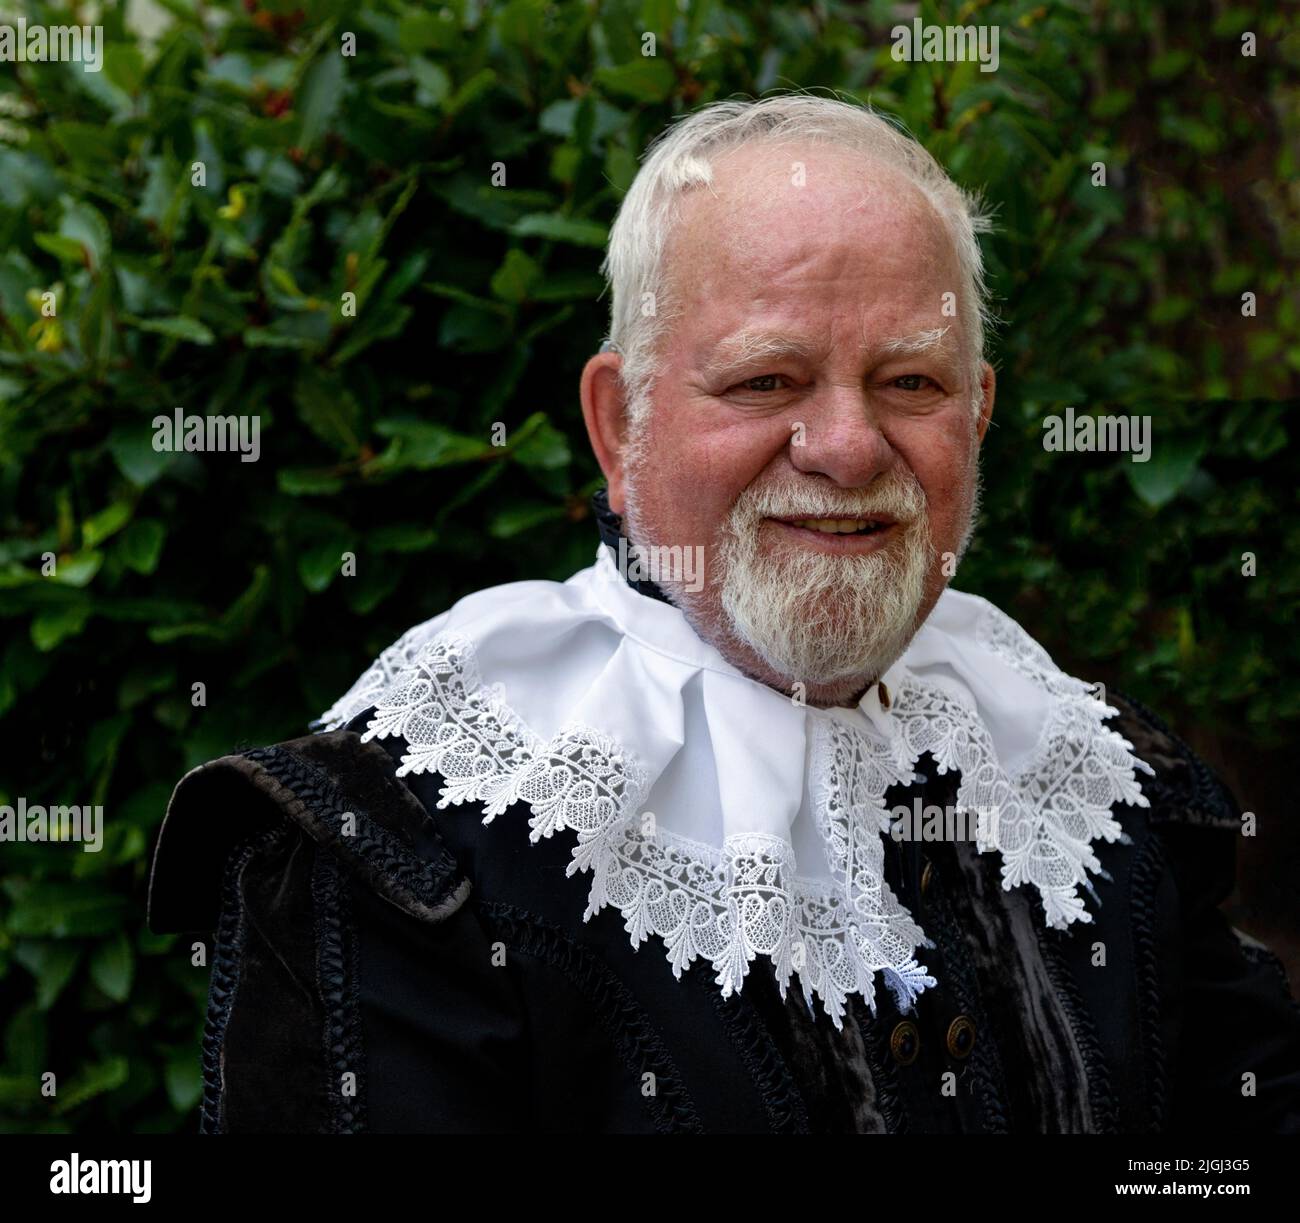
[[810, 616], [818, 618]]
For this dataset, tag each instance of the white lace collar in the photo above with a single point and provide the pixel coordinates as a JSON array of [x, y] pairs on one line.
[[718, 814]]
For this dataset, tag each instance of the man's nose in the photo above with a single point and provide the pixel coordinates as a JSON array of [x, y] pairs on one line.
[[840, 438]]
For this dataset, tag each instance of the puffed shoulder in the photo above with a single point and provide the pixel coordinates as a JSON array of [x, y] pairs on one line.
[[1195, 818], [1184, 789], [338, 791]]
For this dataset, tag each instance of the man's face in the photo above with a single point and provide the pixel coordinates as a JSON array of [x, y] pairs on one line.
[[811, 373]]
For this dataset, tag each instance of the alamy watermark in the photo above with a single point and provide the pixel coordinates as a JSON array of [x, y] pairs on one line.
[[128, 1177], [1086, 432], [181, 432], [58, 823], [678, 564], [950, 44], [22, 43], [930, 822]]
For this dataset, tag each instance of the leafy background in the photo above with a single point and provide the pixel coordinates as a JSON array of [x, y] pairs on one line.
[[479, 304]]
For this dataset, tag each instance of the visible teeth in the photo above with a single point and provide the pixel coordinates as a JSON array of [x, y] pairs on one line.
[[836, 526]]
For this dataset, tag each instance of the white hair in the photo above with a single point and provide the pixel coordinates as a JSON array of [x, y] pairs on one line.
[[681, 158]]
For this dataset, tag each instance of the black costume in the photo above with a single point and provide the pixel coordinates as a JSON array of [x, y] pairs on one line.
[[383, 965]]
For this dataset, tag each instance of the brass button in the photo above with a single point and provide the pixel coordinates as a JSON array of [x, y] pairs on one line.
[[961, 1036], [905, 1043], [926, 876]]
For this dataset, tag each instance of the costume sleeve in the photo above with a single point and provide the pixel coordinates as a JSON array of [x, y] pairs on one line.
[[352, 989], [1235, 1064], [1236, 1067]]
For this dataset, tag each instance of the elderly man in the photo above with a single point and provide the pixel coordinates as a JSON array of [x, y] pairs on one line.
[[636, 851]]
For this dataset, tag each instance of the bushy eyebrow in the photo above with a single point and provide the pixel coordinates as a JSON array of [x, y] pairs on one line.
[[746, 346], [916, 345]]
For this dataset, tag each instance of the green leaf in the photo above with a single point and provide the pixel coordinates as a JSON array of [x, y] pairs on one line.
[[320, 564], [322, 91], [540, 444], [403, 537], [433, 30], [52, 964], [124, 67], [307, 482], [133, 450], [647, 79], [559, 228], [471, 90], [141, 545], [110, 520], [421, 445], [58, 909], [434, 85], [561, 119], [178, 327], [265, 337], [93, 1081], [328, 409], [68, 250], [89, 145], [183, 1077], [513, 520], [1171, 465], [1168, 65], [515, 277], [78, 569], [83, 223], [111, 967]]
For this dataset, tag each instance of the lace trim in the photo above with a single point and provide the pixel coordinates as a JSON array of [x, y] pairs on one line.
[[732, 903], [378, 677], [726, 905], [1043, 820]]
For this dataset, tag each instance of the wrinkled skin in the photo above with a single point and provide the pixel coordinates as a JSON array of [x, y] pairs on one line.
[[850, 260]]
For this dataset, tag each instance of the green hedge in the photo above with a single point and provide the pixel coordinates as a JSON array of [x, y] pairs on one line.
[[476, 304]]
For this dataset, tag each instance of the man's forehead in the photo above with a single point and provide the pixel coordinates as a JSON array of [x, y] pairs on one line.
[[756, 184], [800, 165], [783, 237]]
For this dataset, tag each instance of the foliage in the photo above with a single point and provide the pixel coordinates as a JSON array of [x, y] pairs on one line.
[[477, 303]]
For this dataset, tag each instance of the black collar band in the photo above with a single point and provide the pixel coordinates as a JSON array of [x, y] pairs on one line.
[[610, 526]]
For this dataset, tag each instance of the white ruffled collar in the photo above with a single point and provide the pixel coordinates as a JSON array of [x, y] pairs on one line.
[[720, 815]]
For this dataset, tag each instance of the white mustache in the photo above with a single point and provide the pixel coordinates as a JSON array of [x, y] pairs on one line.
[[900, 502]]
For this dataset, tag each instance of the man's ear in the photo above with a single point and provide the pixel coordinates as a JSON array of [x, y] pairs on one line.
[[604, 409], [989, 384]]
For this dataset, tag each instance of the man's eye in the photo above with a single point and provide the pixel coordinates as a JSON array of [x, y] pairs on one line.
[[912, 382], [761, 382]]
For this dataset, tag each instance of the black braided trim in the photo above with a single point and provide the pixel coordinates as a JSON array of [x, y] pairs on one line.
[[227, 954], [337, 973], [883, 1073], [1148, 865], [638, 1041], [782, 1101], [428, 881], [985, 1064], [1199, 798], [1101, 1097], [1268, 960]]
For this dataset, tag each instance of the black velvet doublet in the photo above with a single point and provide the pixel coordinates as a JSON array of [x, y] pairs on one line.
[[382, 965]]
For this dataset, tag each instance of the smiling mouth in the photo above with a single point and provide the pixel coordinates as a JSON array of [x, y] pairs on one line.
[[840, 526]]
